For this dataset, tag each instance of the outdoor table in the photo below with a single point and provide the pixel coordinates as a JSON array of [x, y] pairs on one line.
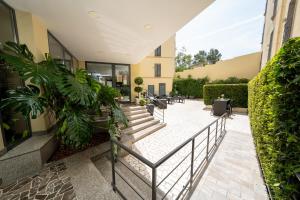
[[170, 100], [181, 99], [220, 106]]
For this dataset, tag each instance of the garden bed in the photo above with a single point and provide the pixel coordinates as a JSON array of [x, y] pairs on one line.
[[64, 151]]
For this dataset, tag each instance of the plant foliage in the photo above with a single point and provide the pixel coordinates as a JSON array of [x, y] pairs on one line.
[[238, 93], [70, 96], [274, 109], [189, 87]]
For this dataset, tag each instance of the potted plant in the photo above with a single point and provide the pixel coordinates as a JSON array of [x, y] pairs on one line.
[[138, 89]]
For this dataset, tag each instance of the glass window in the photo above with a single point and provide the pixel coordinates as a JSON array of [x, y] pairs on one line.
[[122, 81], [59, 53], [55, 49], [157, 51], [101, 72], [289, 21], [157, 70], [15, 128]]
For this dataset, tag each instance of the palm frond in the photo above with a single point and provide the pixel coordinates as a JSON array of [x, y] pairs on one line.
[[25, 100]]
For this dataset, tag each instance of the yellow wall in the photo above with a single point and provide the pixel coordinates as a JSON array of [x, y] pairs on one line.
[[145, 69], [33, 33], [246, 66], [1, 141], [277, 26]]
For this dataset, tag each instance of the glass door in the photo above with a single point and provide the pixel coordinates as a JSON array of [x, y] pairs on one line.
[[122, 81]]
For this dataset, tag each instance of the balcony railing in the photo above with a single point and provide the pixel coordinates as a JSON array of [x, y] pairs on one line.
[[203, 146]]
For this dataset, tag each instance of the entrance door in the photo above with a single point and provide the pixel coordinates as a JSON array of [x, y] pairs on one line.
[[162, 89], [151, 90]]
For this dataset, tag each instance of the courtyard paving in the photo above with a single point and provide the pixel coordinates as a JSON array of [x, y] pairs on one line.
[[233, 172]]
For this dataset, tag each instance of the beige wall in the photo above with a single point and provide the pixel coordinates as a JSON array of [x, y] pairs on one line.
[[33, 33], [277, 26], [1, 141], [246, 66], [145, 68]]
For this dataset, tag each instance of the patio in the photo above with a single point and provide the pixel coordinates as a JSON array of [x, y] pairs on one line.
[[236, 155]]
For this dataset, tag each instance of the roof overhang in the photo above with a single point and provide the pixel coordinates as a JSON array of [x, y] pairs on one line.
[[120, 31]]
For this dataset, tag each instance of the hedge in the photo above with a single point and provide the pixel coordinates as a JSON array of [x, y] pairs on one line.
[[274, 110], [189, 87], [230, 80], [237, 92]]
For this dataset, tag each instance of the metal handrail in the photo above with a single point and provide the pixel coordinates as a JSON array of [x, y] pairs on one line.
[[212, 136], [161, 114]]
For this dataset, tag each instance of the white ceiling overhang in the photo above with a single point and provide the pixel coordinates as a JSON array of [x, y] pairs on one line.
[[120, 31]]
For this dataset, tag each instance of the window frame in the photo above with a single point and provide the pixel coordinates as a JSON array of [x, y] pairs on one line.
[[157, 52], [65, 51], [157, 73]]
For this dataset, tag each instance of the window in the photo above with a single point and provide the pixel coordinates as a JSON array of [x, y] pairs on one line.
[[157, 70], [274, 9], [157, 51], [60, 54], [14, 127], [162, 89], [270, 46], [289, 21], [150, 90]]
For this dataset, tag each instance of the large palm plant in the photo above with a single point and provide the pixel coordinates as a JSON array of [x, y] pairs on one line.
[[68, 95]]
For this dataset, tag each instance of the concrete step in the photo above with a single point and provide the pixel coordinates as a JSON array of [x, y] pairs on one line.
[[140, 121], [138, 116], [135, 112], [143, 133], [132, 108], [141, 186], [139, 127]]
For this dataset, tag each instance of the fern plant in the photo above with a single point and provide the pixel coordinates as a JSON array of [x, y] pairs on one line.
[[68, 95]]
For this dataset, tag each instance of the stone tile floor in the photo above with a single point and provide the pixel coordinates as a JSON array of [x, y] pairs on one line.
[[50, 183], [235, 156]]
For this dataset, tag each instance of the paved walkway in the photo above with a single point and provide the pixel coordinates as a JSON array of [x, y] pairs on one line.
[[234, 167]]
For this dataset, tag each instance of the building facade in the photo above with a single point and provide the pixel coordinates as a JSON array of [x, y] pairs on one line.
[[157, 70], [282, 21]]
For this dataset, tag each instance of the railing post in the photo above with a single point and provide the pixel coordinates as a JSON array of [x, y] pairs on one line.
[[216, 139], [153, 183], [113, 183], [224, 123], [207, 146], [221, 126], [192, 163]]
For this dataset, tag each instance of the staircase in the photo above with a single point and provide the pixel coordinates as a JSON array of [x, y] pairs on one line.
[[141, 124]]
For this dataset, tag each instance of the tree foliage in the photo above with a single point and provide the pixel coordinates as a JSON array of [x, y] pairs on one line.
[[185, 60], [213, 56], [51, 86]]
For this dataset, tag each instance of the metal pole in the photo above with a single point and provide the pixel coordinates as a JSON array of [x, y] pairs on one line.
[[224, 123], [221, 126], [192, 164], [113, 166], [216, 132], [153, 183], [207, 146], [163, 115]]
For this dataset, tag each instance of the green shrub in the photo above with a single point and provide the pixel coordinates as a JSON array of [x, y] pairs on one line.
[[189, 87], [238, 93], [230, 80], [274, 110], [143, 102], [138, 80]]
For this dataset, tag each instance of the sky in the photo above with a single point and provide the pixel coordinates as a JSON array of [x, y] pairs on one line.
[[234, 27]]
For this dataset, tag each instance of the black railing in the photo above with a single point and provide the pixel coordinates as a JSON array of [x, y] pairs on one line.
[[160, 112], [209, 138]]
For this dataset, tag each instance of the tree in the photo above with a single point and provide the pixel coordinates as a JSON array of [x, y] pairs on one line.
[[183, 60], [213, 56], [200, 58], [139, 81]]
